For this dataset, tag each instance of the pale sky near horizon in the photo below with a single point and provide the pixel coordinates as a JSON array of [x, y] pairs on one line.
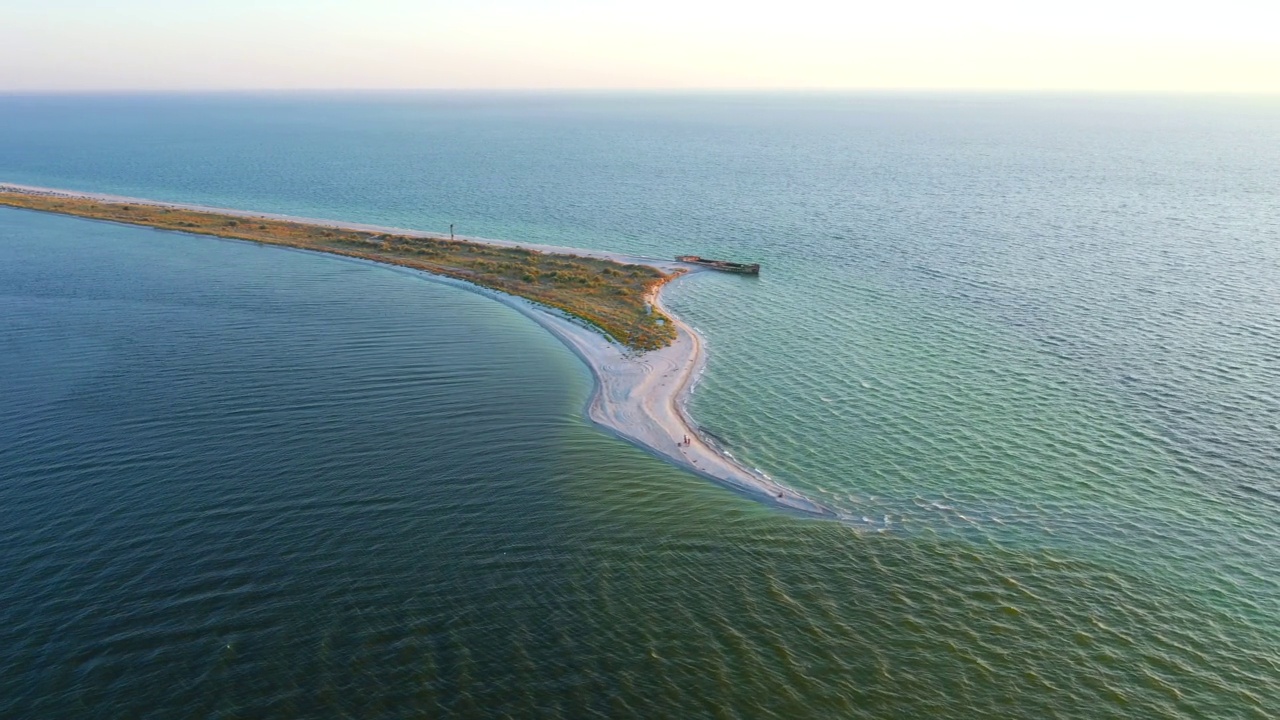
[[1083, 45]]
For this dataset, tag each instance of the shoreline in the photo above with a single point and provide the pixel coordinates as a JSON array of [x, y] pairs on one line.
[[640, 397]]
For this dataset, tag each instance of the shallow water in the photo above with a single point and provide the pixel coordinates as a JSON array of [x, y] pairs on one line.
[[1027, 343]]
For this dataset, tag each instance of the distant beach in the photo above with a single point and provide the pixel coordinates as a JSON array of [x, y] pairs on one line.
[[639, 396]]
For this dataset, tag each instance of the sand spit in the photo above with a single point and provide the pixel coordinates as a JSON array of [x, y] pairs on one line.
[[640, 397]]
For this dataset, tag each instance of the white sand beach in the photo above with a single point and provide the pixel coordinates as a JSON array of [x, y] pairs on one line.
[[640, 397]]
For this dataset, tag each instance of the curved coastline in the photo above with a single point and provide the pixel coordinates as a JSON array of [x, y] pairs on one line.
[[639, 397]]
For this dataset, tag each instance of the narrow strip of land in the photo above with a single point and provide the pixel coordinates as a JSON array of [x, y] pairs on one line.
[[605, 307], [610, 295]]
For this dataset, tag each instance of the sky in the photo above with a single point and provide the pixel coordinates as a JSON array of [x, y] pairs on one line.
[[1222, 46]]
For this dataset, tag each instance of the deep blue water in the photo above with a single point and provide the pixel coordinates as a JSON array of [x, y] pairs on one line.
[[1030, 341]]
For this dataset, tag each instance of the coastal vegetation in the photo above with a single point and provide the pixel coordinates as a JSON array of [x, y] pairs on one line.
[[611, 296]]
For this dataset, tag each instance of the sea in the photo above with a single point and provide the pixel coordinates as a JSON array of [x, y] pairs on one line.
[[1027, 346]]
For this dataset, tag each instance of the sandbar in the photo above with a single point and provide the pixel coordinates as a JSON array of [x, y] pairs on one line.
[[640, 397]]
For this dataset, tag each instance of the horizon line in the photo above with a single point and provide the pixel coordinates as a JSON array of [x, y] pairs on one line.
[[646, 90]]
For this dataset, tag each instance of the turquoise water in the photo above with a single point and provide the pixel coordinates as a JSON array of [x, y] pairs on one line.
[[1028, 342]]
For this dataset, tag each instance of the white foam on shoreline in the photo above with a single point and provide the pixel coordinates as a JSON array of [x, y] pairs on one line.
[[640, 397]]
